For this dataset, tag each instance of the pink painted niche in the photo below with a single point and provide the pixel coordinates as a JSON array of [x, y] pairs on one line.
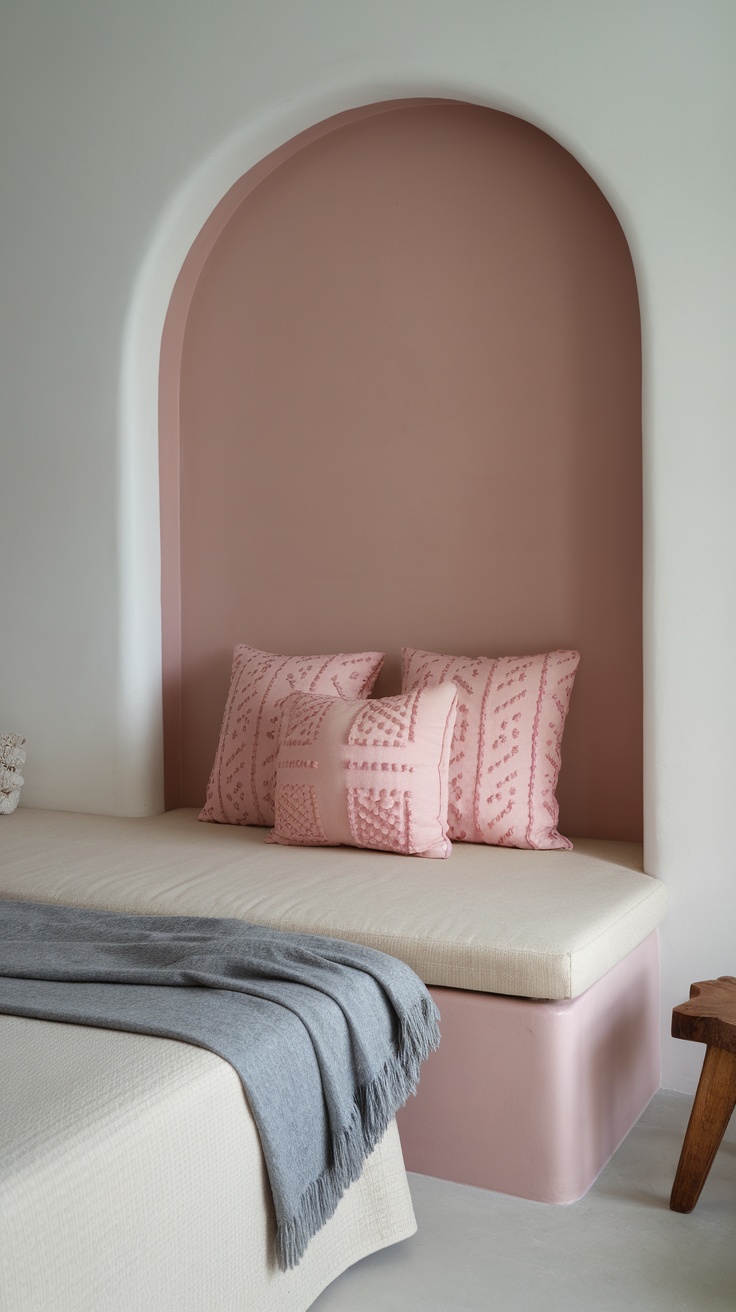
[[401, 405]]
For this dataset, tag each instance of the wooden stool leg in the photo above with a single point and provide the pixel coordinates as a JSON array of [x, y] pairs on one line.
[[714, 1101]]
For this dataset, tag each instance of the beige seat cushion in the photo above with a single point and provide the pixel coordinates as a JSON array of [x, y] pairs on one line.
[[496, 920]]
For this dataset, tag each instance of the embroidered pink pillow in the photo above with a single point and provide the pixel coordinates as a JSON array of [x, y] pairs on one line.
[[241, 786], [506, 745], [366, 774]]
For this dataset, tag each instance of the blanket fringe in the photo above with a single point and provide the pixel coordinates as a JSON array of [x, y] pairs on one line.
[[376, 1105]]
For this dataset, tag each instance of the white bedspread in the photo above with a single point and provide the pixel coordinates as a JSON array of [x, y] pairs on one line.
[[131, 1178]]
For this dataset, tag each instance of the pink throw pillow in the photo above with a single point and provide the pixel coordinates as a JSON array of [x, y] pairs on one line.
[[366, 774], [506, 745], [241, 786]]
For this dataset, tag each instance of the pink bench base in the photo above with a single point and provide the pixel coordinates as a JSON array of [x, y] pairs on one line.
[[532, 1098]]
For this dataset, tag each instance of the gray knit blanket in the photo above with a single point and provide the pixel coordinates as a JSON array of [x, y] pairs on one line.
[[326, 1036]]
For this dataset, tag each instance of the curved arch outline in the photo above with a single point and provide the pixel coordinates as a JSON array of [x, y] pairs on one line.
[[140, 709]]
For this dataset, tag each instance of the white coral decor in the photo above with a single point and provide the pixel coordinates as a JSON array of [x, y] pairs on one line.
[[12, 757]]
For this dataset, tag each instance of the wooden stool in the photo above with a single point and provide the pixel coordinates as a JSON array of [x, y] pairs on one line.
[[709, 1017]]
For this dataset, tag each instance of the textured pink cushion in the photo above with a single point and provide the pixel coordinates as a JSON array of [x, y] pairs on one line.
[[506, 745], [241, 786], [367, 774]]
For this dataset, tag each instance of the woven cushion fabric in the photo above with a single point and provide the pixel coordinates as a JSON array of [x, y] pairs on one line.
[[497, 920], [242, 780], [506, 749], [368, 773]]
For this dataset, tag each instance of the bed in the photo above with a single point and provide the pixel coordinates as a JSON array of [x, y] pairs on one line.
[[131, 1173]]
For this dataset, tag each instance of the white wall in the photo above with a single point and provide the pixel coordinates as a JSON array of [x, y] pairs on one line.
[[122, 123]]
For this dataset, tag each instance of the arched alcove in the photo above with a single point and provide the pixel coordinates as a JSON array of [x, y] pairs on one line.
[[400, 404]]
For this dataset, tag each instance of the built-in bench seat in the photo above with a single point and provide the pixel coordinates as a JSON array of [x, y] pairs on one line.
[[495, 920], [544, 965]]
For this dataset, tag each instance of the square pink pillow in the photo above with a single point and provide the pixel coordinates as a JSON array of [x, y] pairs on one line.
[[506, 745], [366, 774], [241, 786]]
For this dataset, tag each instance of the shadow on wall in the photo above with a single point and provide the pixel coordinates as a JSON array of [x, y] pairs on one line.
[[401, 393]]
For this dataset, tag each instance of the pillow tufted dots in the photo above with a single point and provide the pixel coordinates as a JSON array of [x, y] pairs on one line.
[[241, 785], [375, 775], [506, 748]]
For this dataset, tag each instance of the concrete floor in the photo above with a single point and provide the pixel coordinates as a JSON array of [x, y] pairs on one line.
[[620, 1249]]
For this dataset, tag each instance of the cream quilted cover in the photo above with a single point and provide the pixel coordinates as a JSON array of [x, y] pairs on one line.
[[131, 1178], [131, 1173]]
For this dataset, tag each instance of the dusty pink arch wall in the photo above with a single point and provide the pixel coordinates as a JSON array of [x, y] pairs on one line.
[[400, 405]]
